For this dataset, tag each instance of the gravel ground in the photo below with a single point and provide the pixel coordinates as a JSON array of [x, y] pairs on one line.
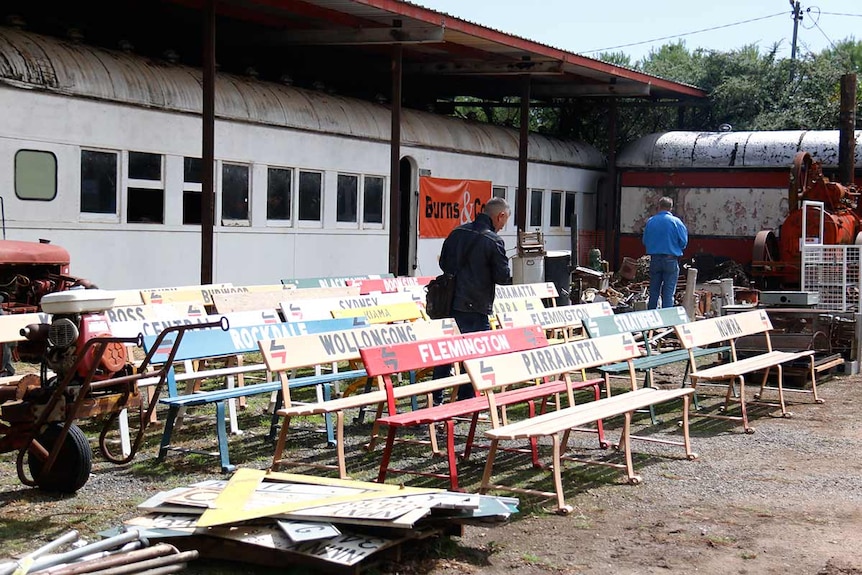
[[786, 499]]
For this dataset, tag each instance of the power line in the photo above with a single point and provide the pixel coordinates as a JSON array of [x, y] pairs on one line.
[[686, 33], [842, 14]]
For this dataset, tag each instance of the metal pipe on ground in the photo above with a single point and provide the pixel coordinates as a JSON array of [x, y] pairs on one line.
[[103, 545], [69, 537], [141, 566], [102, 563]]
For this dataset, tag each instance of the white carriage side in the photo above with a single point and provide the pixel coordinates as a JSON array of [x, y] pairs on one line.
[[106, 145]]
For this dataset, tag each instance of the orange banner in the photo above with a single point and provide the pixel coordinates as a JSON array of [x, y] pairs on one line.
[[446, 204]]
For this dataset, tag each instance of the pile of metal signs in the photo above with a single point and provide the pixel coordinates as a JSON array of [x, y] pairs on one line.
[[336, 525]]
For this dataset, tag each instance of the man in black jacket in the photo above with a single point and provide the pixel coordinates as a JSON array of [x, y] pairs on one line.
[[476, 256]]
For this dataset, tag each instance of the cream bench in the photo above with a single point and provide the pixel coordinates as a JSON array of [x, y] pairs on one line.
[[727, 330], [492, 373]]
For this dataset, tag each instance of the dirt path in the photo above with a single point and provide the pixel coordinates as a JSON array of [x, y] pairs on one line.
[[786, 499]]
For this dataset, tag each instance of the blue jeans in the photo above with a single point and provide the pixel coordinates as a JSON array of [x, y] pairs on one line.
[[663, 274], [468, 322]]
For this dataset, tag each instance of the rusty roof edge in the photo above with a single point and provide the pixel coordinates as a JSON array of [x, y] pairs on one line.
[[433, 17]]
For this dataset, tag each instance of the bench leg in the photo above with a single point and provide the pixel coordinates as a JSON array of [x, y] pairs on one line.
[[814, 382], [626, 447], [450, 454], [558, 472], [471, 436], [327, 417], [279, 445], [168, 432], [387, 455], [276, 401], [745, 425], [489, 467], [221, 431], [686, 437], [375, 429], [339, 447]]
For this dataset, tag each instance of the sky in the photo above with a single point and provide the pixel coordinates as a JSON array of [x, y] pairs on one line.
[[589, 26]]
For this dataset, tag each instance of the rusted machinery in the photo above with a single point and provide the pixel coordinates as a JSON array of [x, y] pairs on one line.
[[84, 373], [777, 260]]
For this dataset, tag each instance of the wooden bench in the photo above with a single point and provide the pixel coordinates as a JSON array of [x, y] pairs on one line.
[[728, 329], [286, 355], [652, 325], [562, 323], [493, 373], [240, 340], [385, 362]]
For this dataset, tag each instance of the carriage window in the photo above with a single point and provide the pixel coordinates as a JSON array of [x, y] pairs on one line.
[[310, 185], [35, 175], [192, 208], [536, 208], [192, 179], [372, 200], [193, 170], [145, 195], [346, 197], [143, 166], [556, 208], [499, 192], [278, 182], [570, 209], [234, 192], [98, 182], [145, 206]]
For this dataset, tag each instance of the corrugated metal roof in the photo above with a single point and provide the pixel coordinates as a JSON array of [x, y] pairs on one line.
[[43, 62]]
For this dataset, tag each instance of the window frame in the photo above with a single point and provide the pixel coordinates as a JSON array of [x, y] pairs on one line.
[[372, 225], [530, 224], [310, 224], [15, 175], [291, 198], [234, 222], [138, 183], [190, 188], [357, 223], [108, 217]]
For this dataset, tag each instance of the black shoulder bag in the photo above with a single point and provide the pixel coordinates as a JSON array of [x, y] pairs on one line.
[[440, 291]]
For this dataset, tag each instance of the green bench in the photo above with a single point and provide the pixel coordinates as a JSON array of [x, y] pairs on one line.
[[653, 325]]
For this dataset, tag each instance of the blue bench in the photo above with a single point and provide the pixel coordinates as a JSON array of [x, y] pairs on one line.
[[647, 323], [214, 343]]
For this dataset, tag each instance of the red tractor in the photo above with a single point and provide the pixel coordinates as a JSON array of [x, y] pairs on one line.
[[779, 258], [84, 370]]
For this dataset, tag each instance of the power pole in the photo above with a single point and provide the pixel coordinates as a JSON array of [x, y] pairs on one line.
[[797, 16]]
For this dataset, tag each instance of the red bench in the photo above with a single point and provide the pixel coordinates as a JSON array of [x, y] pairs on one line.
[[385, 362]]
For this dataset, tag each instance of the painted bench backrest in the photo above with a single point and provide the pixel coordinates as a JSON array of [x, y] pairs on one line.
[[489, 373], [518, 304], [337, 281], [645, 320], [724, 328], [555, 317], [283, 354], [387, 313], [321, 308], [541, 290], [390, 285], [215, 342], [391, 359]]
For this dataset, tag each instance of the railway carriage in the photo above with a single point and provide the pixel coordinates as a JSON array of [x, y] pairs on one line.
[[727, 186], [102, 154]]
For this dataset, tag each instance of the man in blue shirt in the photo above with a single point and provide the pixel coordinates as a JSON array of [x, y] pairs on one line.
[[665, 238]]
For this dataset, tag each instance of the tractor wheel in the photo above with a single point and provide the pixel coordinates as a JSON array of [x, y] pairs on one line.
[[74, 462]]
